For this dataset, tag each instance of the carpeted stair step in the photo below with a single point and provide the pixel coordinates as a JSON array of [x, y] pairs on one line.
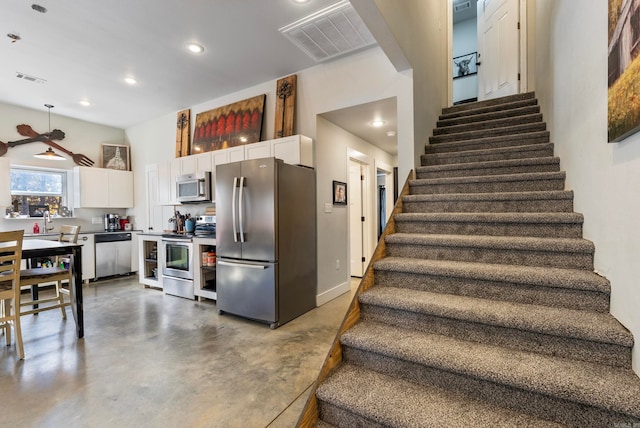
[[490, 143], [488, 155], [576, 289], [392, 402], [551, 225], [575, 393], [510, 121], [582, 335], [547, 201], [323, 424], [511, 130], [500, 167], [492, 103], [567, 253], [489, 113], [529, 182]]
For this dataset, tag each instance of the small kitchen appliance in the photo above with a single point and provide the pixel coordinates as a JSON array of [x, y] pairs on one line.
[[111, 222], [194, 187]]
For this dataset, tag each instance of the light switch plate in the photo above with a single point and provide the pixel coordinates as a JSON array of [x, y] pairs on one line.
[[328, 207]]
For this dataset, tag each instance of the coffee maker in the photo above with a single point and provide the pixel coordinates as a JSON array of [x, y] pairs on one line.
[[111, 222]]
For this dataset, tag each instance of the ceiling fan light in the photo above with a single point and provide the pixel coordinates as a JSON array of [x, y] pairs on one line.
[[49, 154]]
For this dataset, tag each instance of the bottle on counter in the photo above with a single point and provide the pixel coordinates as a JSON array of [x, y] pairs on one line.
[[36, 228]]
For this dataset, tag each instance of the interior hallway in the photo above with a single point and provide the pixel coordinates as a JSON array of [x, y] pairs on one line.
[[148, 359]]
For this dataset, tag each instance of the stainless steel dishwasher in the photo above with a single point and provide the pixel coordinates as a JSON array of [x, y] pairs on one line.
[[113, 254]]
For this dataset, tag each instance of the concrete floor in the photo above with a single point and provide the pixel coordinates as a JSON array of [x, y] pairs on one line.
[[151, 360]]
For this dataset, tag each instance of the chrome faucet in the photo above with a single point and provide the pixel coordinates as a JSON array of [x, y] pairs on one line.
[[46, 218]]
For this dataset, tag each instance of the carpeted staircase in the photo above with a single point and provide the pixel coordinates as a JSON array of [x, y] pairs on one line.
[[486, 311]]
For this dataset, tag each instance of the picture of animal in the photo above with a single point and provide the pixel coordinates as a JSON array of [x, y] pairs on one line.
[[464, 65]]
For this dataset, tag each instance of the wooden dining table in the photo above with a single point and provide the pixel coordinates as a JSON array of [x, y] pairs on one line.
[[35, 248]]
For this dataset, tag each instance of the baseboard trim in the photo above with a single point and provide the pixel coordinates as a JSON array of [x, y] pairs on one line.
[[331, 294]]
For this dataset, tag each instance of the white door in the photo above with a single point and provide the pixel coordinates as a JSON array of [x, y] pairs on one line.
[[498, 48], [354, 199]]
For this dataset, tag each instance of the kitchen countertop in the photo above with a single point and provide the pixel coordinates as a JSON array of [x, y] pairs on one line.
[[35, 235]]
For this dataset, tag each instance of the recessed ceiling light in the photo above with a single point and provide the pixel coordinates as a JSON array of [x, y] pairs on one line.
[[85, 103], [195, 48], [130, 80], [391, 133], [377, 123], [300, 1]]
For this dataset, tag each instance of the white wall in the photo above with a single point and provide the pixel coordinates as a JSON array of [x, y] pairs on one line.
[[571, 84], [80, 137], [465, 41], [361, 78], [420, 28], [333, 147]]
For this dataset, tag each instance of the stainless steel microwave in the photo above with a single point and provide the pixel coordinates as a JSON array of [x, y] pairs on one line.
[[194, 187]]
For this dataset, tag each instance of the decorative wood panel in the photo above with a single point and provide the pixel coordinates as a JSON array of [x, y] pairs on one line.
[[183, 133], [285, 106]]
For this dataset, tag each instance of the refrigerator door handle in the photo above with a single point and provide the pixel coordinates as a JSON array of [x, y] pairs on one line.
[[244, 265], [241, 209], [233, 209]]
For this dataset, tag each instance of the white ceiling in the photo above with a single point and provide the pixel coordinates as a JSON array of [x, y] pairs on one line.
[[356, 120], [84, 50]]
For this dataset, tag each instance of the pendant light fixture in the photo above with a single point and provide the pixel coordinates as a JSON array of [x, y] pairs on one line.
[[49, 154]]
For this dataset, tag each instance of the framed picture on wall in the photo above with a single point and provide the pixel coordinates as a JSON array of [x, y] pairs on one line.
[[339, 193], [115, 156], [624, 70], [465, 65]]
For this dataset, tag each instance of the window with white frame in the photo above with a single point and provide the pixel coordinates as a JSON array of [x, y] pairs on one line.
[[38, 187]]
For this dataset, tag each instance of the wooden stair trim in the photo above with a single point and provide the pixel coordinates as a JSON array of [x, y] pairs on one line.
[[310, 414]]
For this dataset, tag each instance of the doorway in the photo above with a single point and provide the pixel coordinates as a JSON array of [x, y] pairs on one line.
[[488, 40], [358, 219]]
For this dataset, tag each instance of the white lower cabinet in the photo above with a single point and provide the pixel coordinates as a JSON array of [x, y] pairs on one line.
[[5, 182], [149, 270], [204, 272], [88, 255]]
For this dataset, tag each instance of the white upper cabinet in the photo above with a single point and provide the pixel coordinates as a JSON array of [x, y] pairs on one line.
[[234, 154], [168, 171], [295, 150], [196, 163], [5, 182], [102, 188], [257, 150]]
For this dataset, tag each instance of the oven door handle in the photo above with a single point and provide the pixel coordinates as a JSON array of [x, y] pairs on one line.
[[233, 209], [241, 209], [186, 240], [242, 265]]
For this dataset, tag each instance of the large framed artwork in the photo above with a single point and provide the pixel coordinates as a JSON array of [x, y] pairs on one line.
[[229, 126], [624, 69]]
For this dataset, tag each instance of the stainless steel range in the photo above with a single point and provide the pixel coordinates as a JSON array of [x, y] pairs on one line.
[[178, 265]]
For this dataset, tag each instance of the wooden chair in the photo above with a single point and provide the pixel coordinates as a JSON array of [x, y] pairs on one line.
[[10, 255], [39, 276]]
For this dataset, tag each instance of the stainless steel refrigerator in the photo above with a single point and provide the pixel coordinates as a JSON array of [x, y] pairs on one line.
[[266, 240]]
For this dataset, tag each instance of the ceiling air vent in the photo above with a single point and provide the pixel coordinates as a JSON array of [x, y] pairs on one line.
[[29, 78], [329, 32], [459, 7]]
